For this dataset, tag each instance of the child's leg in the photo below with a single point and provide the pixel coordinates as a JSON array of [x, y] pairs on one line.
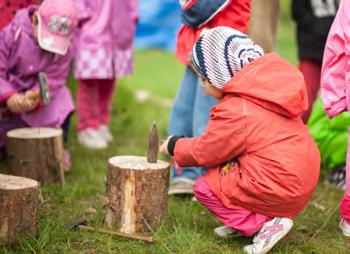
[[65, 128], [347, 173], [88, 111], [241, 220], [312, 75], [180, 122], [201, 112], [106, 92], [66, 155], [345, 203], [345, 208], [181, 115]]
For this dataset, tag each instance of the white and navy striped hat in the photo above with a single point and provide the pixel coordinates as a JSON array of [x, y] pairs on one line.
[[221, 52]]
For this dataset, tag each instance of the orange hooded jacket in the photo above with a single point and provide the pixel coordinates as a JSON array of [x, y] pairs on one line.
[[256, 124]]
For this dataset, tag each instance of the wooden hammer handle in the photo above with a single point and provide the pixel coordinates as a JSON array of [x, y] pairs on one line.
[[131, 236]]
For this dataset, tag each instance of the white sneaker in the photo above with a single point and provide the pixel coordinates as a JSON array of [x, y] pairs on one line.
[[269, 235], [181, 186], [105, 133], [345, 227], [92, 139], [226, 232]]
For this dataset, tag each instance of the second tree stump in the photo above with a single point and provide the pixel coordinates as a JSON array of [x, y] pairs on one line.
[[36, 153], [137, 194], [18, 207]]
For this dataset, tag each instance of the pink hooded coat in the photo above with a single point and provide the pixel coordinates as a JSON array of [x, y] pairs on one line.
[[104, 40], [21, 60], [335, 81]]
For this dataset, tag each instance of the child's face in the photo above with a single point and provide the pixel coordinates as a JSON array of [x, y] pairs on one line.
[[208, 88]]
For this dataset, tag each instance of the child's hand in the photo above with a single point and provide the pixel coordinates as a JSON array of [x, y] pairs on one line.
[[15, 103], [163, 148], [30, 102], [19, 103]]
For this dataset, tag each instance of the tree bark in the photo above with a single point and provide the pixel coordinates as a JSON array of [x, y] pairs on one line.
[[36, 153], [18, 207], [137, 194]]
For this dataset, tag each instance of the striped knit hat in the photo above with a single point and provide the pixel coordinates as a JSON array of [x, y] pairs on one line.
[[221, 52]]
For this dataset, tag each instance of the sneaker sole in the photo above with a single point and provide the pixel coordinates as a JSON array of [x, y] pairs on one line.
[[268, 248], [180, 191], [92, 147], [347, 234]]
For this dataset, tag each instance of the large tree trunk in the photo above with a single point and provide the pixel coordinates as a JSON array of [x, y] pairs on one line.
[[137, 194], [36, 153], [18, 207]]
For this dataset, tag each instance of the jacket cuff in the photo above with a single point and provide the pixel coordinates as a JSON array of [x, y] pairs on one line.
[[6, 96], [172, 143]]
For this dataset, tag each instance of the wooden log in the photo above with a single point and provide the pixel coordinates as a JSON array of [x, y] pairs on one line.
[[18, 207], [36, 153], [137, 194]]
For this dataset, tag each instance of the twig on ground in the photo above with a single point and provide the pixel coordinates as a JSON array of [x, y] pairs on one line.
[[324, 224]]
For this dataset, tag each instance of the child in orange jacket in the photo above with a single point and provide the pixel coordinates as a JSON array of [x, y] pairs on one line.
[[190, 112], [263, 164]]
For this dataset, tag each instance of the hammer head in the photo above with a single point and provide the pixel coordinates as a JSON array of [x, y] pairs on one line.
[[75, 225], [44, 89]]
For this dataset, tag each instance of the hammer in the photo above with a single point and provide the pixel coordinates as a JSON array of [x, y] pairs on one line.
[[43, 92], [82, 225]]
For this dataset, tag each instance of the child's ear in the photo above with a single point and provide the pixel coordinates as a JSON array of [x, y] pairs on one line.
[[189, 58]]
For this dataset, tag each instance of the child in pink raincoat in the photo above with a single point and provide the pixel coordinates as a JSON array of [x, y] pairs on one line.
[[104, 52], [335, 88], [36, 41]]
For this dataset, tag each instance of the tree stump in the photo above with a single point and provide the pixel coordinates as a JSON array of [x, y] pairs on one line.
[[137, 194], [18, 207], [36, 153]]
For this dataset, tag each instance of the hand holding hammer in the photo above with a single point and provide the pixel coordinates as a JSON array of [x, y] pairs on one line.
[[19, 103], [43, 93]]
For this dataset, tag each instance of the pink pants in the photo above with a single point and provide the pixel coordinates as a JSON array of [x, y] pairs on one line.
[[94, 102], [345, 208], [244, 221], [312, 75]]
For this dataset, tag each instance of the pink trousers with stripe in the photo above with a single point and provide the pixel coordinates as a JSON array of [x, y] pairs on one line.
[[245, 222]]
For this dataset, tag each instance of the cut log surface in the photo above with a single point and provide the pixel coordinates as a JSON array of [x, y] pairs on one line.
[[18, 207], [36, 153], [137, 194]]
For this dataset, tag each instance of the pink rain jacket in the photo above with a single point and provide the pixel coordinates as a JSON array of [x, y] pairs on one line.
[[335, 81], [21, 60], [335, 77], [104, 39]]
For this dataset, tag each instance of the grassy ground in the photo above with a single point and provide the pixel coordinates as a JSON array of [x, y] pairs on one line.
[[188, 228]]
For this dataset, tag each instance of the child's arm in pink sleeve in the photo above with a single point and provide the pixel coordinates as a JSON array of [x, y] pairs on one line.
[[7, 41], [335, 77]]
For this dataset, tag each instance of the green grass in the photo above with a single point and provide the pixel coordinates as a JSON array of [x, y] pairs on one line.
[[188, 228]]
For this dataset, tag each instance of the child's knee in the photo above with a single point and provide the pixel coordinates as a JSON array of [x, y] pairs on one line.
[[200, 188]]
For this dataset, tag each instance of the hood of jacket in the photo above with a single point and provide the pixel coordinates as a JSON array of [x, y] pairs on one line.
[[22, 20], [273, 83]]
